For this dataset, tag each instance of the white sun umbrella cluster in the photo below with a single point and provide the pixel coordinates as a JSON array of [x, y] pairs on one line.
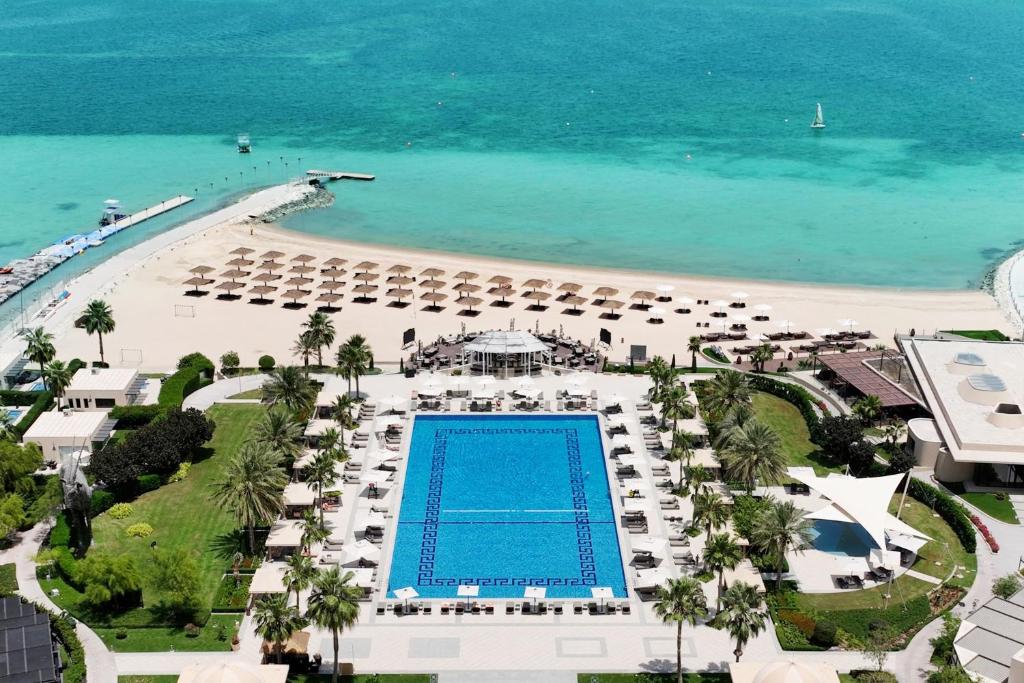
[[848, 322], [720, 304], [392, 401], [784, 324], [739, 296], [665, 292], [620, 419], [656, 313]]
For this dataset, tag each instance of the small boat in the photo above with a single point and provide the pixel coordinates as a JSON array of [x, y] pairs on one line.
[[112, 213], [819, 120], [244, 144]]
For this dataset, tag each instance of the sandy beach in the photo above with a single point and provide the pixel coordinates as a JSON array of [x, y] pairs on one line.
[[157, 322]]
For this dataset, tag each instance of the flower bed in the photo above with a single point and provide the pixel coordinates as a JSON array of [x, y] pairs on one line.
[[983, 528]]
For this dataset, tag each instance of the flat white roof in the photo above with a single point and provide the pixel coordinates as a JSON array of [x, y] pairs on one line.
[[103, 379], [948, 372], [71, 425]]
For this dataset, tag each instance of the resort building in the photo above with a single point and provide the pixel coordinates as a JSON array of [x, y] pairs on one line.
[[104, 388], [63, 433], [974, 392], [989, 643]]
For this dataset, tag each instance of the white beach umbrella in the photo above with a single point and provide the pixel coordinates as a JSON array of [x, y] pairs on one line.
[[483, 392], [620, 420], [614, 400], [360, 550], [665, 292], [430, 390], [407, 594], [636, 485], [827, 331], [575, 390], [741, 318], [524, 382], [848, 322], [684, 300], [656, 312], [529, 392], [651, 578], [635, 504], [621, 441], [784, 324], [457, 381], [719, 303], [648, 544], [601, 593], [739, 296], [468, 590], [763, 308], [392, 401], [484, 380], [375, 477], [382, 422]]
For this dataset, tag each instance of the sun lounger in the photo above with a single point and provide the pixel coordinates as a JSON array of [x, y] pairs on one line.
[[669, 503]]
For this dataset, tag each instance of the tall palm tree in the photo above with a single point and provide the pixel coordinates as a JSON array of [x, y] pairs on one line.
[[321, 473], [754, 453], [868, 408], [693, 346], [313, 530], [281, 432], [697, 480], [276, 621], [342, 411], [711, 510], [321, 331], [354, 360], [99, 320], [674, 405], [299, 575], [333, 605], [303, 348], [681, 601], [681, 451], [761, 355], [742, 614], [57, 376], [660, 374], [251, 487], [7, 431], [737, 416], [288, 387], [780, 529], [330, 439], [39, 347], [728, 388], [721, 552]]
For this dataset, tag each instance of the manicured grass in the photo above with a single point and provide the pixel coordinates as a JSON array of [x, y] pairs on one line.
[[646, 677], [8, 578], [360, 678], [944, 547], [158, 639], [156, 678], [981, 335], [992, 506], [783, 417], [182, 514], [252, 393]]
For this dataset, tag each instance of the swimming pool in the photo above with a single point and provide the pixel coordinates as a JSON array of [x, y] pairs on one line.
[[15, 414], [506, 502], [841, 538]]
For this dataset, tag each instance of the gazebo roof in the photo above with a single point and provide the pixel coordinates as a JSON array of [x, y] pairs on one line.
[[504, 342]]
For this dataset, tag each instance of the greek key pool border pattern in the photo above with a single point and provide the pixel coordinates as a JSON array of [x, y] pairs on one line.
[[432, 513]]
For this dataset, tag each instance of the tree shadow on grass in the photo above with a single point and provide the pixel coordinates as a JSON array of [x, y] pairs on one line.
[[202, 453]]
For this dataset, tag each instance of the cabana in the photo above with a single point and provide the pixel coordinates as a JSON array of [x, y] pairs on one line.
[[268, 579], [285, 538], [298, 497], [507, 354]]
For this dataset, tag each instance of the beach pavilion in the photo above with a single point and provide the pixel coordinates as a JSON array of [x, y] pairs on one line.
[[507, 354]]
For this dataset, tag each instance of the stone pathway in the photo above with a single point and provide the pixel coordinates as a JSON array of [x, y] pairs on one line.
[[924, 577]]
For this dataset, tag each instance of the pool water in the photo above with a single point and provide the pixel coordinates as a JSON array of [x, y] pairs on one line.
[[506, 502], [841, 538], [15, 414]]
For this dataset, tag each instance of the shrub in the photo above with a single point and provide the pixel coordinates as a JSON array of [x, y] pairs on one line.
[[232, 596], [1006, 586], [792, 638], [797, 618], [148, 482], [181, 473], [266, 363], [229, 362], [63, 628], [101, 501], [824, 634], [60, 535], [191, 631], [134, 417], [176, 387], [139, 530], [197, 362], [952, 512], [8, 579], [121, 511], [121, 633]]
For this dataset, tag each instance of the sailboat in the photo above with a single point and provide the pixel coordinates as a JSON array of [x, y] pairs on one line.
[[819, 120]]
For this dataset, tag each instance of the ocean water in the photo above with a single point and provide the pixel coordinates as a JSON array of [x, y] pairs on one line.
[[657, 134], [506, 502]]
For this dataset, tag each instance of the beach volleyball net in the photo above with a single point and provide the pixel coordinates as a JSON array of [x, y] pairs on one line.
[[184, 311]]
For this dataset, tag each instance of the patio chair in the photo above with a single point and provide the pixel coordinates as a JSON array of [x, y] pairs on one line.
[[510, 608], [624, 608], [557, 608], [380, 609], [577, 608]]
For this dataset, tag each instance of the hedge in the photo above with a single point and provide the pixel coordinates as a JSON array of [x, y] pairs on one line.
[[40, 401], [798, 396], [75, 365], [133, 417], [952, 512], [100, 502], [63, 628]]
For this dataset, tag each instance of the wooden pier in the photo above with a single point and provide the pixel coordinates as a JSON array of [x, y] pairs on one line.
[[340, 175], [152, 212]]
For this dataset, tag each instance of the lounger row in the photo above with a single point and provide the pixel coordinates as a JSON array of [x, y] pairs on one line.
[[511, 608]]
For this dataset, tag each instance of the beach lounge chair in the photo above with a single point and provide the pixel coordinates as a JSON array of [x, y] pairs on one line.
[[510, 608], [380, 609], [669, 503], [557, 608]]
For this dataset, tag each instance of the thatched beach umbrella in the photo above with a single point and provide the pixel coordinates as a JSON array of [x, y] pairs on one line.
[[239, 262], [365, 277], [201, 270], [241, 251], [500, 280], [603, 293], [399, 294], [261, 291], [271, 255], [569, 287], [304, 258], [399, 269], [333, 273], [468, 302], [298, 282], [611, 307], [431, 273], [434, 298], [271, 265], [574, 301], [266, 277], [466, 288], [466, 275], [502, 291], [301, 269], [335, 262], [234, 274], [295, 295], [364, 292], [400, 280], [537, 297], [643, 296], [366, 266], [330, 285], [329, 299], [228, 287], [536, 283], [197, 282], [432, 284]]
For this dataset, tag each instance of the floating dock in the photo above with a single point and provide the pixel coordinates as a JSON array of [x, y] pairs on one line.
[[340, 175], [20, 273]]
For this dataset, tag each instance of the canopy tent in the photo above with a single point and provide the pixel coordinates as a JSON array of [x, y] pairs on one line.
[[298, 494], [269, 578], [861, 501], [506, 353], [285, 534]]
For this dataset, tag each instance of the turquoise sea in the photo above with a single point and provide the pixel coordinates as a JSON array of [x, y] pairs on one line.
[[655, 134]]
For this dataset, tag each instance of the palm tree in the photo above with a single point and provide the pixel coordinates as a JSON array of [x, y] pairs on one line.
[[321, 473], [742, 614], [893, 432], [333, 605], [281, 432], [342, 411], [353, 360], [681, 601], [660, 374], [761, 355], [754, 453], [313, 530], [58, 377], [7, 431], [721, 552], [299, 575], [693, 346], [728, 388], [251, 487], [711, 510], [681, 451], [39, 347], [99, 320], [697, 479], [736, 417], [674, 405], [276, 621], [868, 408], [780, 529], [330, 439], [288, 387], [321, 332], [303, 348]]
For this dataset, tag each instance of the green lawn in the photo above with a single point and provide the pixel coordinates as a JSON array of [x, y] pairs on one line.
[[785, 419], [992, 506], [251, 393], [646, 677], [182, 514], [944, 547], [981, 335], [215, 636], [170, 678], [360, 678], [8, 578]]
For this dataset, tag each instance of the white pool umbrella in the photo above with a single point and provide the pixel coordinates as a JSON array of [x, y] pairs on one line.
[[720, 303], [602, 593], [375, 477], [457, 381], [739, 296], [525, 382], [430, 390], [574, 390], [621, 441], [382, 422], [848, 322], [853, 569], [360, 550], [614, 399], [483, 392], [620, 419], [392, 401], [468, 591], [665, 291], [528, 392], [684, 300], [656, 312], [740, 318], [579, 379], [651, 578], [634, 505], [535, 592], [784, 324], [407, 594], [647, 544]]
